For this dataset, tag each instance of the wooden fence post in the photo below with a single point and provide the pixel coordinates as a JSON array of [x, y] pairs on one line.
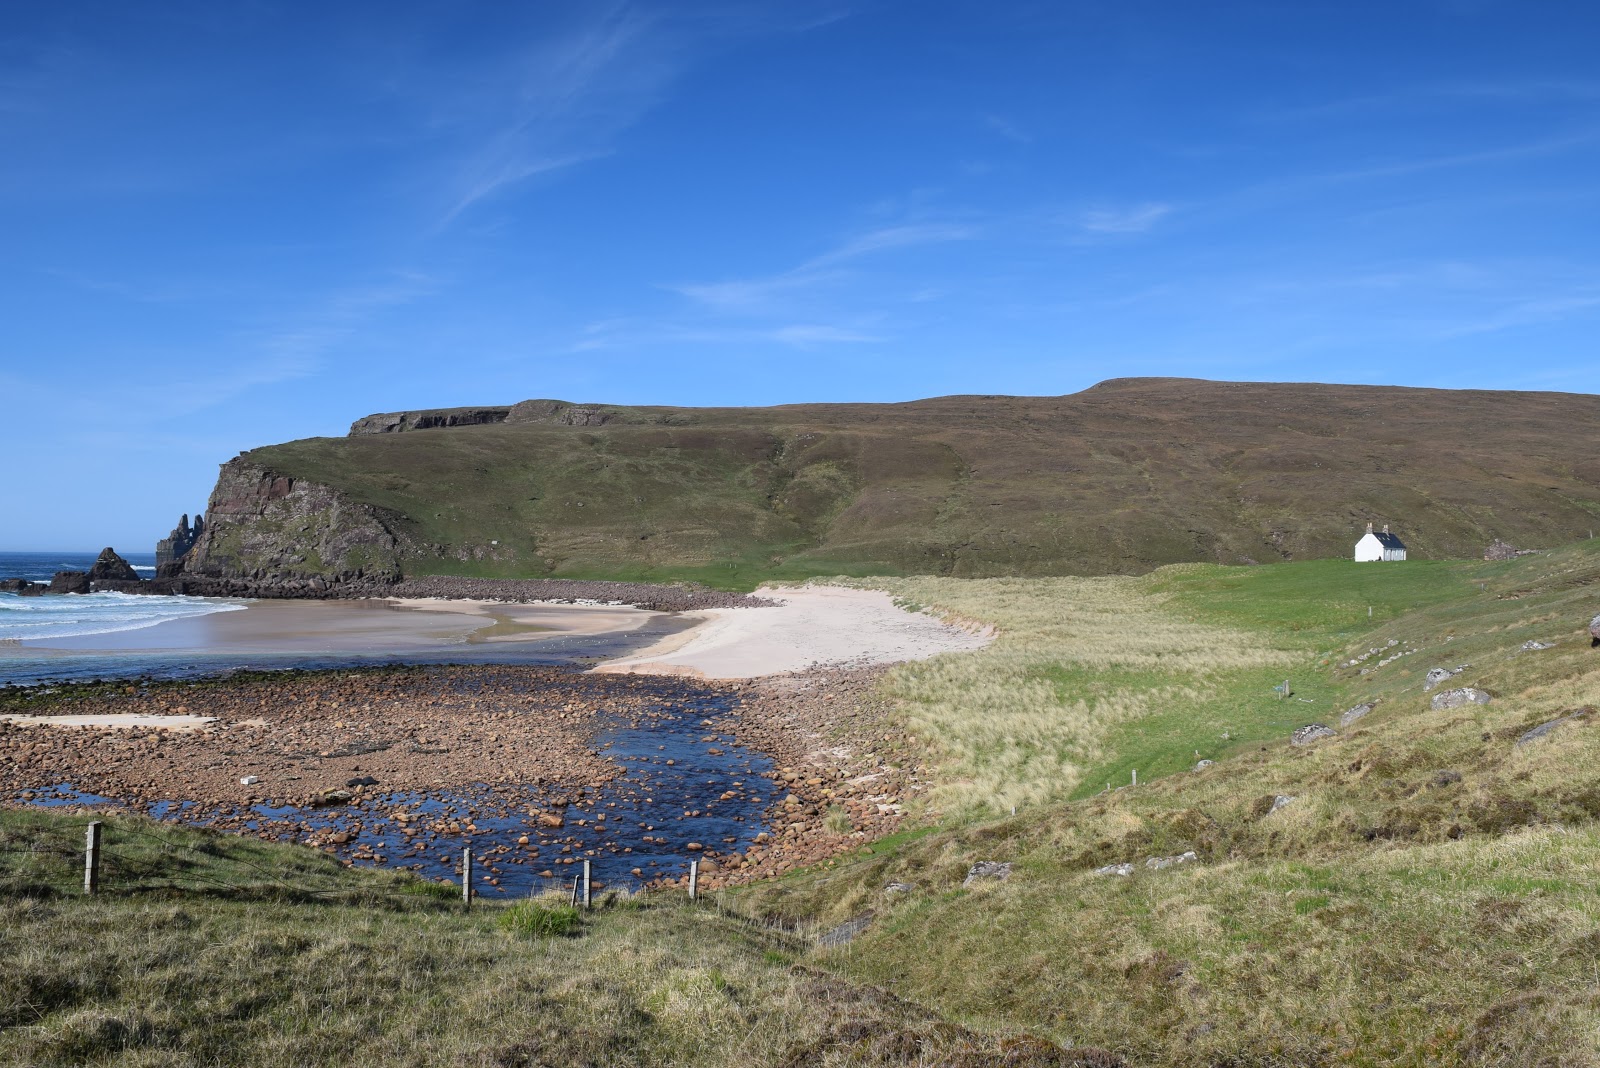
[[91, 858], [466, 876], [575, 879], [694, 879], [586, 884], [1135, 780]]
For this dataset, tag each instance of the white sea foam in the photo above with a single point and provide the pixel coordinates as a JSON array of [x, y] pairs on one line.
[[76, 615], [141, 567]]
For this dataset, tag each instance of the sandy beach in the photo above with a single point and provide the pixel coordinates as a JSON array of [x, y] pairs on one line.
[[812, 627], [387, 625]]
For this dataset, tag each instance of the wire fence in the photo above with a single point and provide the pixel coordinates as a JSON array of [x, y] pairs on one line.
[[88, 856]]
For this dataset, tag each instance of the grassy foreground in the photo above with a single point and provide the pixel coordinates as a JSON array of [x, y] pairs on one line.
[[1421, 889]]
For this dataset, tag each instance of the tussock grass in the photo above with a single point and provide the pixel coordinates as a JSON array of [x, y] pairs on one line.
[[541, 918], [1028, 719]]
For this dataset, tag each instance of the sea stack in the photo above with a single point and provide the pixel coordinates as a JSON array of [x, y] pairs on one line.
[[170, 550]]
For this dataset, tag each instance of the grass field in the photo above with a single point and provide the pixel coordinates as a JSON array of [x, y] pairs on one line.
[[1422, 889]]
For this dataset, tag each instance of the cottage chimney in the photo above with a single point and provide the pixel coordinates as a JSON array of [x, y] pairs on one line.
[[1386, 528], [1369, 528]]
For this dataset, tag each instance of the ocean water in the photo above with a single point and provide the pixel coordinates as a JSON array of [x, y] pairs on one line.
[[39, 567], [78, 615], [51, 639]]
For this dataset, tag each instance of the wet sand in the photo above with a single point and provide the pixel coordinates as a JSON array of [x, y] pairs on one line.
[[357, 626], [285, 634]]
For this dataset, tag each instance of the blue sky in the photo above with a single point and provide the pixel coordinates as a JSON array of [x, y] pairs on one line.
[[225, 225]]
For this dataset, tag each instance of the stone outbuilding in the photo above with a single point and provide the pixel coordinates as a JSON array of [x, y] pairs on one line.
[[1380, 545]]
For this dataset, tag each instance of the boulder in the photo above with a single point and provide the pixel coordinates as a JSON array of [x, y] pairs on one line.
[[1158, 863], [1467, 695], [1547, 727], [1531, 646], [846, 931], [1312, 732], [70, 582], [109, 567], [1201, 765], [1594, 631], [1351, 715], [1279, 801], [1439, 675], [988, 869], [14, 585], [330, 797], [1124, 869]]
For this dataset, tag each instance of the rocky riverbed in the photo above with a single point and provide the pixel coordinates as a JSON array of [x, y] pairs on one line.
[[536, 768]]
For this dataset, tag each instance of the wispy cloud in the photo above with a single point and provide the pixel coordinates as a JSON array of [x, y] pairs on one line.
[[760, 293], [566, 99], [561, 101], [613, 334], [1007, 129], [293, 348], [1128, 219], [1433, 96]]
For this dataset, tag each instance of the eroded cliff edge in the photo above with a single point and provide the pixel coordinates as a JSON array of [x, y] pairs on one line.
[[265, 526]]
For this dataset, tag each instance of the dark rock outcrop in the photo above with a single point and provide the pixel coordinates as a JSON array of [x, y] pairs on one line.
[[70, 582], [1594, 631], [399, 422], [14, 585], [171, 549], [109, 567], [273, 530], [528, 412]]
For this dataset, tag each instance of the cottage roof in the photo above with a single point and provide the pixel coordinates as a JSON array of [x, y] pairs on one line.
[[1387, 540]]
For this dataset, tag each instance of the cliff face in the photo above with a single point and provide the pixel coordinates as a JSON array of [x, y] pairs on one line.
[[269, 526]]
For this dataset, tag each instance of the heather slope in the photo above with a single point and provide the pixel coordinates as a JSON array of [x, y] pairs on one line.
[[1120, 478]]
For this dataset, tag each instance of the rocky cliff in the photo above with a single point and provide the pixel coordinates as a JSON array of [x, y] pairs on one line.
[[269, 526]]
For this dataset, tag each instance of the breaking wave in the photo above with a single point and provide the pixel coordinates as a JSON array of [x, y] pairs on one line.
[[77, 615]]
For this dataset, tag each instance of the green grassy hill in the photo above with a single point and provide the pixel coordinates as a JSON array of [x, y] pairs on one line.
[[1120, 478]]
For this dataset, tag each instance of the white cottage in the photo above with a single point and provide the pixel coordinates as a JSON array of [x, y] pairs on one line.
[[1380, 545]]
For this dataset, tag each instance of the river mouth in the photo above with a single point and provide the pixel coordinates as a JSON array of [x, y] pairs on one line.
[[643, 769]]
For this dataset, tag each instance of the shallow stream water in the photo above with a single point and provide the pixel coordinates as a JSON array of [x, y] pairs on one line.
[[683, 782]]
